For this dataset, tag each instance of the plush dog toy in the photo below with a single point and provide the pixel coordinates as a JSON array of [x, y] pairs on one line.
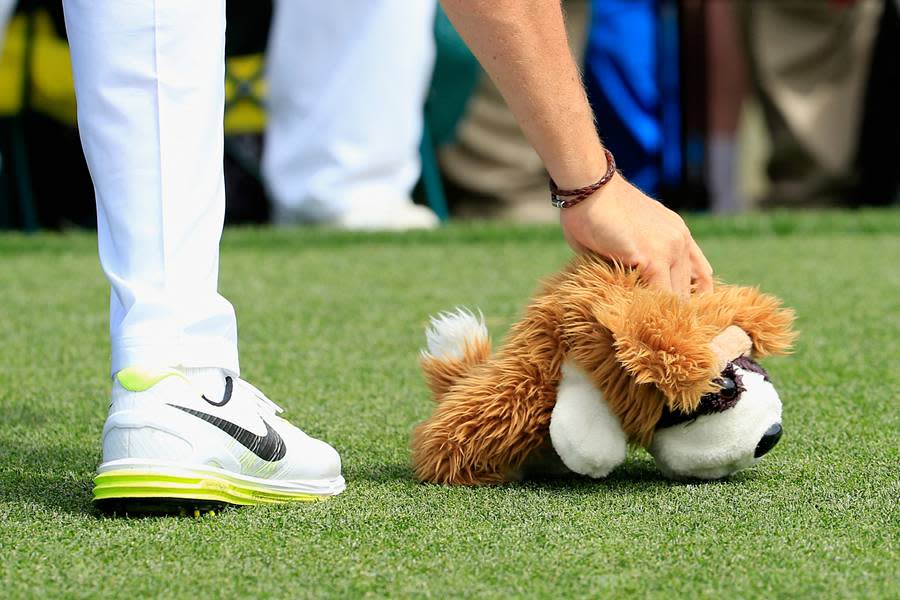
[[598, 361]]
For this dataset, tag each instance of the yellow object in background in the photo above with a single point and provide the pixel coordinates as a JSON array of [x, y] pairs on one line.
[[52, 90], [245, 93], [11, 67]]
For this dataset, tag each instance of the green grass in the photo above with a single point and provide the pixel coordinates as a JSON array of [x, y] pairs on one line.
[[330, 326]]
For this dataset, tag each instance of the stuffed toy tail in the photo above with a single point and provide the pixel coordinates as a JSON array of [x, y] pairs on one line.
[[456, 342]]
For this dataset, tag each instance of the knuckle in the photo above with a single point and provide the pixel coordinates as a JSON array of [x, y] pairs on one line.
[[651, 268], [677, 244]]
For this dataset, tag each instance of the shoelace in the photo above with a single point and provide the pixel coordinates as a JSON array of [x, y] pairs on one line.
[[264, 401]]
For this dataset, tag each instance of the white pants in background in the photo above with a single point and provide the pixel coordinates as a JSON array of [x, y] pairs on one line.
[[6, 8], [347, 84], [149, 78]]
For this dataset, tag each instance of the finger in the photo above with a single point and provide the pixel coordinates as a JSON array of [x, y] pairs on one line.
[[701, 280], [680, 275], [657, 278], [701, 270], [695, 249]]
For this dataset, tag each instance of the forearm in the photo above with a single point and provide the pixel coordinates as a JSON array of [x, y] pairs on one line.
[[522, 45]]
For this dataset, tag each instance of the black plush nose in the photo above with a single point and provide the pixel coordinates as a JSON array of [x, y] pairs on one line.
[[768, 441]]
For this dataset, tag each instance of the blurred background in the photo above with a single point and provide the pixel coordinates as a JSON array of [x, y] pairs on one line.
[[723, 106]]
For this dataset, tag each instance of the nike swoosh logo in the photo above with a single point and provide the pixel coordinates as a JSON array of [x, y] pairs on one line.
[[229, 387], [269, 447]]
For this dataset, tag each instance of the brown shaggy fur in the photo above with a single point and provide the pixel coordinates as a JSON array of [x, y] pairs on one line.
[[440, 374], [643, 349]]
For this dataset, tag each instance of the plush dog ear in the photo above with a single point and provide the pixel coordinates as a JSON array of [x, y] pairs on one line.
[[662, 340], [761, 316]]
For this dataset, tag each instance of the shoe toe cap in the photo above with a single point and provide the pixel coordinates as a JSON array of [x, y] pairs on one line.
[[317, 461]]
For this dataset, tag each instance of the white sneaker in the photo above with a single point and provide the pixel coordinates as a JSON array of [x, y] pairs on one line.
[[404, 216], [195, 439]]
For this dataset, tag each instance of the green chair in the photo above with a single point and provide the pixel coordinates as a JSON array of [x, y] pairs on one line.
[[454, 79]]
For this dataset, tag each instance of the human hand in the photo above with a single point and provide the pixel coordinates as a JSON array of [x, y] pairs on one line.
[[621, 223]]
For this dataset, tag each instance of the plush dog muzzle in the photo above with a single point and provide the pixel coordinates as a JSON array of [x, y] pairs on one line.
[[730, 431]]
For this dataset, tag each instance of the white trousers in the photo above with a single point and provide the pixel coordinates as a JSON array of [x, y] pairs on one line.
[[348, 80], [149, 79], [347, 83]]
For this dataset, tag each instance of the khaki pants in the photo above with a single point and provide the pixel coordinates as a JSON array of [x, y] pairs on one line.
[[809, 61], [491, 169]]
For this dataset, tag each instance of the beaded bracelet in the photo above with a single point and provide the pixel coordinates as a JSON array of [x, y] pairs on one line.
[[569, 198]]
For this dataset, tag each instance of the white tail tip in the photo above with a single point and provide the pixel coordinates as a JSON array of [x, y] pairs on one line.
[[450, 333]]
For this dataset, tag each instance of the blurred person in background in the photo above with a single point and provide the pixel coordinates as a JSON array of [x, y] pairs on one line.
[[809, 61], [879, 177], [726, 85], [6, 8], [491, 170], [632, 77], [183, 427], [809, 64], [631, 65], [347, 83]]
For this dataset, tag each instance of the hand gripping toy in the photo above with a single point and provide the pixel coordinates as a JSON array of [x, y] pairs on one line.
[[599, 361]]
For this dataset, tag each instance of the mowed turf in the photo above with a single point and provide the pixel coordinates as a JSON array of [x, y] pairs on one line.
[[330, 328]]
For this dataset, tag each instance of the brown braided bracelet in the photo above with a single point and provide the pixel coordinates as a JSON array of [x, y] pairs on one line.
[[569, 198]]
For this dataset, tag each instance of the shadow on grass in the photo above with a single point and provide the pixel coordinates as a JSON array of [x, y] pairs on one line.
[[59, 478], [634, 476]]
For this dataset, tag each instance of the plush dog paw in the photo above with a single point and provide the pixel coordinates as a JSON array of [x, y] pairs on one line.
[[584, 432]]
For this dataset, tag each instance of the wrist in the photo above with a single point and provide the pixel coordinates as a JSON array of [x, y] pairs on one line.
[[607, 197], [566, 198], [582, 169]]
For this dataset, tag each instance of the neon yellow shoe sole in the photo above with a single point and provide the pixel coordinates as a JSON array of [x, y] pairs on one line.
[[186, 490]]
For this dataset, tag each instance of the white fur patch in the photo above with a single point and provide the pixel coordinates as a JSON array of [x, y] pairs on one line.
[[585, 433], [719, 444], [450, 333]]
